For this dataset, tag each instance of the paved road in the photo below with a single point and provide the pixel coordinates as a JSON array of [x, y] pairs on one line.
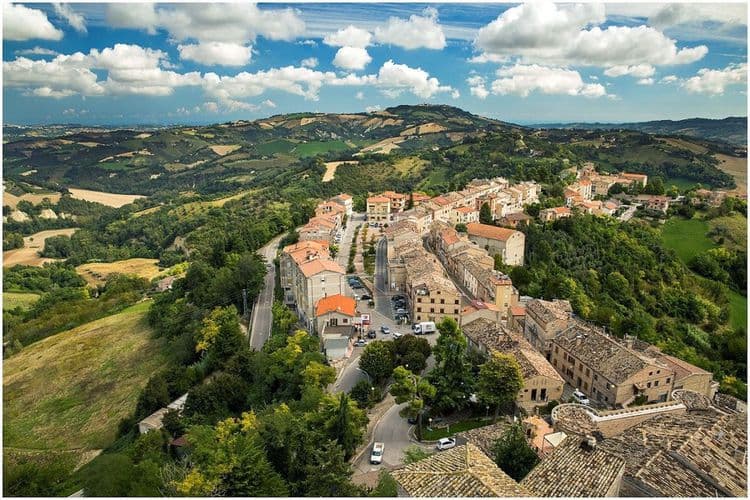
[[393, 430], [262, 318], [628, 214]]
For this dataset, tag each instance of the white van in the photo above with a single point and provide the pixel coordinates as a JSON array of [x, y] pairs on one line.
[[376, 457], [424, 328]]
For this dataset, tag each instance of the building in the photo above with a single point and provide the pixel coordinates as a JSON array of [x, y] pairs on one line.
[[608, 371], [345, 200], [155, 420], [320, 228], [379, 210], [577, 468], [307, 274], [514, 220], [434, 298], [509, 244], [397, 200], [654, 203], [336, 341], [701, 453], [555, 213], [464, 471], [544, 320], [541, 383], [464, 215], [335, 310]]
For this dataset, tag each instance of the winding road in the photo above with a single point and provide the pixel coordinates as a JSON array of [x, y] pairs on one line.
[[262, 317]]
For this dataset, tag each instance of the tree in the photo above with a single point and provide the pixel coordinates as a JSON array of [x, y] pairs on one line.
[[415, 453], [154, 396], [220, 336], [342, 421], [452, 376], [513, 453], [461, 227], [173, 423], [500, 379], [365, 394], [485, 214], [412, 389], [377, 360]]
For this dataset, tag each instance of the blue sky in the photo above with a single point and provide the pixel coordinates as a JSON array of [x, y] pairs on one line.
[[524, 63]]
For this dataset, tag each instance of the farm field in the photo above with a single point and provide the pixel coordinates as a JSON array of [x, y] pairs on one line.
[[686, 237], [410, 165], [24, 300], [96, 273], [31, 245], [70, 390], [737, 168], [312, 148], [33, 198], [108, 199], [225, 149]]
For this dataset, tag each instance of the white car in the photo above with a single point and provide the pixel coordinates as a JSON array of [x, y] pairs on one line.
[[580, 397], [376, 457], [397, 335], [446, 443]]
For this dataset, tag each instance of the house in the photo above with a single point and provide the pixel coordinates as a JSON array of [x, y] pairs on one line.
[[154, 421], [397, 200], [608, 371], [640, 179], [379, 210], [336, 340], [335, 310], [541, 383], [464, 215], [544, 321], [434, 298], [514, 220], [464, 471], [700, 453], [508, 243], [577, 467], [654, 203], [345, 200], [554, 213], [517, 318]]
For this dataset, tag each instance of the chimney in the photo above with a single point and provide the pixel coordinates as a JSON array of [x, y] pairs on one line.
[[589, 443]]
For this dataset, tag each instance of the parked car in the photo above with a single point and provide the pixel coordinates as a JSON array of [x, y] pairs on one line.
[[366, 297], [400, 311], [385, 330], [371, 334], [357, 285], [376, 456], [397, 335], [360, 343], [580, 397], [371, 303], [446, 443]]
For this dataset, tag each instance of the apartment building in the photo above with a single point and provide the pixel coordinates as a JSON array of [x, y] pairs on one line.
[[434, 298], [345, 200], [397, 200], [464, 215], [320, 228], [544, 320], [608, 371], [379, 210], [555, 213], [541, 383], [508, 243], [307, 274], [600, 184]]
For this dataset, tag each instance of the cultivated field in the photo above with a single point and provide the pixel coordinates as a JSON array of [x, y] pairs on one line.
[[70, 390], [108, 199], [331, 167], [96, 273], [680, 143], [737, 168], [385, 146], [33, 198], [410, 165], [24, 300], [32, 244], [224, 149], [425, 128]]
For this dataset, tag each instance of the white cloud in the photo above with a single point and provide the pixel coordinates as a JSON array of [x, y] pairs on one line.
[[715, 81], [216, 53], [455, 94], [235, 25], [22, 23], [522, 80], [675, 14], [544, 32], [669, 79], [375, 107], [132, 15], [131, 69], [74, 19], [210, 107], [637, 71], [36, 51], [351, 58], [395, 78], [416, 32], [645, 81], [269, 103], [350, 36], [310, 62], [477, 86]]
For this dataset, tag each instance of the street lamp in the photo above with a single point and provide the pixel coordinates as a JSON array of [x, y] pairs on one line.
[[487, 415]]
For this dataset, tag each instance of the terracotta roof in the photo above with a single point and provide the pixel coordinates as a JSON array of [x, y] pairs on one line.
[[463, 471], [344, 196], [309, 244], [441, 201], [393, 194], [682, 368], [336, 303], [547, 311], [490, 232], [466, 210], [517, 311], [688, 455], [449, 236], [575, 470], [561, 210], [316, 266], [378, 199]]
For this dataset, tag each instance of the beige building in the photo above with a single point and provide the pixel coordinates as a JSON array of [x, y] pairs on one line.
[[434, 298], [541, 383], [509, 244], [607, 371], [555, 213], [379, 209], [464, 215], [544, 320], [307, 274]]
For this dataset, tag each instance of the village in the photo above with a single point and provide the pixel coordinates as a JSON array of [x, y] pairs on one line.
[[435, 258]]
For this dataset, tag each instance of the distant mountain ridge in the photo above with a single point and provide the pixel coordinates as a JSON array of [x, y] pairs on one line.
[[732, 129]]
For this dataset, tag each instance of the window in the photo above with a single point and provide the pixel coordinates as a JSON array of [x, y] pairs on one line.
[[606, 398], [556, 350], [658, 372], [455, 311], [432, 309], [585, 386], [432, 301], [543, 395], [656, 384], [596, 377], [648, 385], [588, 372], [533, 394], [442, 310], [456, 302], [650, 373], [442, 301], [668, 379]]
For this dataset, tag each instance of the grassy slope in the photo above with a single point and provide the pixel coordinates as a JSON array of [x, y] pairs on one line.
[[71, 390], [96, 273], [25, 300], [686, 237]]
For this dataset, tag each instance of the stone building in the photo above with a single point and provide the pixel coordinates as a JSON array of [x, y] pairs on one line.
[[544, 320], [509, 244]]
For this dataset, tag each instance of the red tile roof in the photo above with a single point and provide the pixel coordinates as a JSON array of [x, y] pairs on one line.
[[316, 266], [490, 232], [378, 199], [336, 303]]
